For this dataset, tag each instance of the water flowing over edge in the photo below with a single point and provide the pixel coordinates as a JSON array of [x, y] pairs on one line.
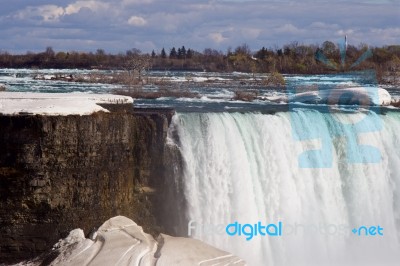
[[244, 167]]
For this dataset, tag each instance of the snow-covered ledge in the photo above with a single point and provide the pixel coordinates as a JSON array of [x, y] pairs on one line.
[[120, 241], [14, 103]]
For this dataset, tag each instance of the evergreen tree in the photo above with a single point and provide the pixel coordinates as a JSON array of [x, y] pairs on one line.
[[153, 54], [180, 56], [173, 53], [189, 53], [183, 52], [261, 54], [163, 53]]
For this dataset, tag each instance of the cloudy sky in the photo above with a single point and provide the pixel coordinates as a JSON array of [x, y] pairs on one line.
[[119, 25]]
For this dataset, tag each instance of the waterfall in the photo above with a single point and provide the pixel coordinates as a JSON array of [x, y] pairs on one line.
[[245, 167]]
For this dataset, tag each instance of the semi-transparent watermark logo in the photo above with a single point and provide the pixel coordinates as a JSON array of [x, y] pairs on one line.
[[354, 92], [246, 230], [279, 229]]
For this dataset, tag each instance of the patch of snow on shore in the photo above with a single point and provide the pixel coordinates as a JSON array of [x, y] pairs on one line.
[[13, 103]]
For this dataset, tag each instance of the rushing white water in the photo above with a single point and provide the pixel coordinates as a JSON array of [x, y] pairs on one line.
[[244, 167]]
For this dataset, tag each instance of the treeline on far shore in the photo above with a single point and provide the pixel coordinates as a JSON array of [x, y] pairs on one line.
[[293, 58]]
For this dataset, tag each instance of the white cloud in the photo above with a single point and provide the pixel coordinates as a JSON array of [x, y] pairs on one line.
[[92, 5], [388, 35], [251, 33], [137, 21], [49, 13], [53, 13], [288, 28], [136, 2], [322, 25], [173, 22], [195, 24], [217, 37], [344, 32]]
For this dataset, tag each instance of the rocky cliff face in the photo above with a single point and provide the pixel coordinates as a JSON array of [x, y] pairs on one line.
[[58, 173]]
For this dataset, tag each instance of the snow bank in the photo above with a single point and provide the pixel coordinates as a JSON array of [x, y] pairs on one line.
[[12, 103], [120, 241], [188, 251]]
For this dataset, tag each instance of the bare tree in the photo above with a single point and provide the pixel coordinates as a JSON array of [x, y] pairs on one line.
[[137, 64]]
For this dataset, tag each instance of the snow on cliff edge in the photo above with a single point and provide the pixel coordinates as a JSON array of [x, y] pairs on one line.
[[120, 241], [12, 103]]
